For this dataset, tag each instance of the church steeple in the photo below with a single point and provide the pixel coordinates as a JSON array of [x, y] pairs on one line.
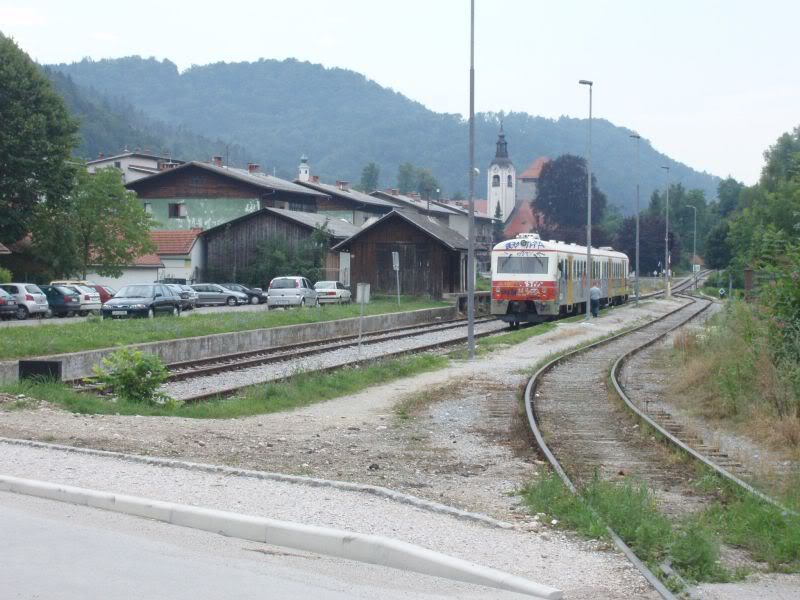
[[501, 183], [502, 145]]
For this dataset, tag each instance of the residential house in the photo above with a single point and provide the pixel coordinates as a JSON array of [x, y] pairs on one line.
[[145, 269], [432, 257], [204, 195], [134, 165], [230, 251], [343, 202], [179, 252]]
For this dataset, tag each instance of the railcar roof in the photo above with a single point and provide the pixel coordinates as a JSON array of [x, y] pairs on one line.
[[529, 243]]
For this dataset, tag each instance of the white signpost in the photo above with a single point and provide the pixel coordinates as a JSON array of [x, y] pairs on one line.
[[362, 297], [396, 267]]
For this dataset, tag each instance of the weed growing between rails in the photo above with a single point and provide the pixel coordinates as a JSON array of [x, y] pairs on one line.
[[630, 509], [300, 390]]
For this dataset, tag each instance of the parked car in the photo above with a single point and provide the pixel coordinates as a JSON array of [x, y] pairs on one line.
[[72, 282], [254, 295], [62, 300], [333, 292], [192, 294], [90, 299], [212, 293], [291, 291], [143, 300], [8, 305], [187, 302], [106, 293], [31, 301]]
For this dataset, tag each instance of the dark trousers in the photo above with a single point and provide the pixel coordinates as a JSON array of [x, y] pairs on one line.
[[595, 304]]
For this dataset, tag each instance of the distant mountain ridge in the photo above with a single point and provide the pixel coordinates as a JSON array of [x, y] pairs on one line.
[[279, 110]]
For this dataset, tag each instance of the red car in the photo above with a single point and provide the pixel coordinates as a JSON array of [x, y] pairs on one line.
[[106, 293]]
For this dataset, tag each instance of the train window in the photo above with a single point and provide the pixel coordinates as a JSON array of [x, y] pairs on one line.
[[522, 264]]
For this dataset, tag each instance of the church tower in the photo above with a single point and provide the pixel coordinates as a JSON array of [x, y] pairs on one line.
[[304, 173], [501, 180]]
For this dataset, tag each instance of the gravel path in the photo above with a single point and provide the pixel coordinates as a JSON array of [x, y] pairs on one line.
[[339, 357], [461, 446]]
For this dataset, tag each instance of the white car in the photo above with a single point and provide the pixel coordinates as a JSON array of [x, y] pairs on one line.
[[90, 299], [31, 301], [332, 292]]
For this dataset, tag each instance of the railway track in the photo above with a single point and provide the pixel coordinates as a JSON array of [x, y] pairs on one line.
[[582, 434]]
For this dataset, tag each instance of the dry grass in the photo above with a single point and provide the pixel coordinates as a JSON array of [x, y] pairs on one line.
[[413, 404]]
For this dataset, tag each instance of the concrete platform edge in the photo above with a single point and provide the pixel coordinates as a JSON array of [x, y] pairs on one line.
[[370, 549]]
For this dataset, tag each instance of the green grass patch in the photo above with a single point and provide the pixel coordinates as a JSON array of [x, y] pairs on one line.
[[630, 509], [487, 344], [96, 333], [300, 390]]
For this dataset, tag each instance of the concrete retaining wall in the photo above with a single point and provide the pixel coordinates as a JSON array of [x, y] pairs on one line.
[[77, 365]]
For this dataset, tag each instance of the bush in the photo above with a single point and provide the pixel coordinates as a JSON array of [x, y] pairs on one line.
[[5, 275], [133, 376]]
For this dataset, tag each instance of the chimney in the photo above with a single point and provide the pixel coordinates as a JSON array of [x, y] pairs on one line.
[[413, 195], [343, 185], [314, 178], [216, 161], [393, 191], [253, 167], [101, 155]]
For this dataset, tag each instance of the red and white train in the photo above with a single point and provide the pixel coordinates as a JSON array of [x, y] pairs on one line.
[[535, 280]]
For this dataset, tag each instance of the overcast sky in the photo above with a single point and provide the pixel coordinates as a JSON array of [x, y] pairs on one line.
[[712, 83]]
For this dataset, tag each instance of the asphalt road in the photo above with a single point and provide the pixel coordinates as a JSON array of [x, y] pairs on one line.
[[56, 550]]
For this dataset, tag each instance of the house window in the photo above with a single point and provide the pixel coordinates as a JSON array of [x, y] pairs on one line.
[[148, 208], [177, 211], [117, 164], [495, 180], [510, 181]]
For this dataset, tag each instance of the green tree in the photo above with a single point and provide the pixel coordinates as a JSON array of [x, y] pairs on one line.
[[369, 178], [278, 256], [103, 227], [718, 251], [36, 138], [406, 178], [728, 193], [562, 194]]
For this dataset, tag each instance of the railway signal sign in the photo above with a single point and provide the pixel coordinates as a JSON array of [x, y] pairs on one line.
[[396, 267]]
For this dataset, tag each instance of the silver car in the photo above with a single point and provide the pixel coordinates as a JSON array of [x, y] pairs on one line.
[[31, 300], [291, 291], [212, 293], [90, 299]]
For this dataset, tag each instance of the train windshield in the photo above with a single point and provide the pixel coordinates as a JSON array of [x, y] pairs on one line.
[[522, 264]]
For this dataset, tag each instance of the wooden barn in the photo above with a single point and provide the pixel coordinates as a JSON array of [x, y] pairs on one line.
[[230, 250], [433, 258]]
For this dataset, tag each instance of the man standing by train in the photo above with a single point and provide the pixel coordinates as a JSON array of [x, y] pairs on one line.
[[594, 299]]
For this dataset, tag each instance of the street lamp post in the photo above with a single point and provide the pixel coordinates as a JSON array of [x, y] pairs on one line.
[[471, 227], [589, 202], [694, 244], [638, 139], [667, 265]]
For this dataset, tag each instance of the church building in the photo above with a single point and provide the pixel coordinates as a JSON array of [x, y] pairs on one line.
[[502, 180]]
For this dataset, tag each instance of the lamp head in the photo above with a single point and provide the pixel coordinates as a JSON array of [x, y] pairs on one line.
[[635, 136], [586, 82]]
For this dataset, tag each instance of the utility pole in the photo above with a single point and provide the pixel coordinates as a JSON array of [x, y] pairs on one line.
[[589, 204], [667, 265], [694, 244], [638, 139], [471, 230]]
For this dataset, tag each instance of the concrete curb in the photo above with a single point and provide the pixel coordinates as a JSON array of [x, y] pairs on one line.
[[381, 492], [370, 549]]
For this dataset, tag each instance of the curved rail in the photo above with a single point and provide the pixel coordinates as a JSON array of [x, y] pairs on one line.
[[651, 578]]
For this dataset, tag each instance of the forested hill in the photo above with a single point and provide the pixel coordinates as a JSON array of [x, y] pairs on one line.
[[279, 110], [110, 125]]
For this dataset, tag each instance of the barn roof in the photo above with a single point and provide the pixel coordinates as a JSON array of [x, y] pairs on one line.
[[444, 235], [349, 194], [257, 178], [338, 228]]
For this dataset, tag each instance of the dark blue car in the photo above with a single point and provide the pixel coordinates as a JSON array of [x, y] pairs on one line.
[[63, 301]]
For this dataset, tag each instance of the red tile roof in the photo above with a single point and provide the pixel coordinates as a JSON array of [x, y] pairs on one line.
[[535, 169], [522, 220], [175, 241], [148, 260]]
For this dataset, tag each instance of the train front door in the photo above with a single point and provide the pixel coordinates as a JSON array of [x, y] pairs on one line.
[[570, 281]]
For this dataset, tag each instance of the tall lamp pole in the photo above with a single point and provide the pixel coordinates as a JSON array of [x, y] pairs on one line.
[[667, 266], [694, 244], [471, 230], [638, 139], [589, 203]]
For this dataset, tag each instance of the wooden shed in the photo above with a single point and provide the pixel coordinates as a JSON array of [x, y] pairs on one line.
[[229, 250], [433, 258]]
